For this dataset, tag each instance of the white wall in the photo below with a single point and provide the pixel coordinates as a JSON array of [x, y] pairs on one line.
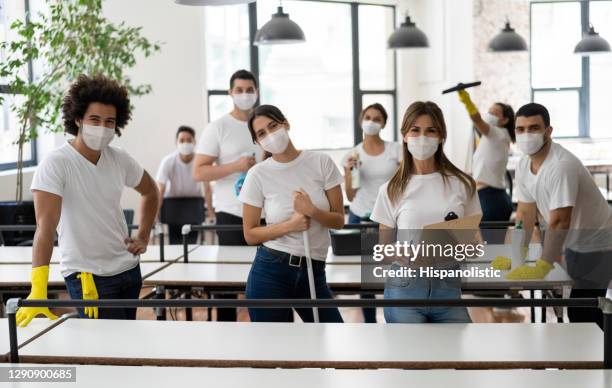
[[176, 74], [424, 73]]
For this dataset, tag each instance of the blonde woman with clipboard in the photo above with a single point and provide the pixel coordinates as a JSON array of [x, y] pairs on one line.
[[426, 189]]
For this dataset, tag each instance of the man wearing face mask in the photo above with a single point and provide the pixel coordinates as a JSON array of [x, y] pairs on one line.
[[577, 217], [175, 178], [224, 153], [77, 189]]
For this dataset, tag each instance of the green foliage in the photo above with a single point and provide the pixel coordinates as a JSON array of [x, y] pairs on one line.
[[72, 38]]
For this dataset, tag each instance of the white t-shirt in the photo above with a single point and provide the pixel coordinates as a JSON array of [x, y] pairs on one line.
[[178, 178], [92, 227], [227, 139], [373, 172], [427, 200], [491, 158], [562, 181], [270, 185]]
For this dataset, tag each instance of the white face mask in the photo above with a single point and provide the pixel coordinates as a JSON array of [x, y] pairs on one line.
[[422, 147], [185, 148], [275, 142], [530, 143], [245, 101], [97, 137], [492, 120], [370, 127]]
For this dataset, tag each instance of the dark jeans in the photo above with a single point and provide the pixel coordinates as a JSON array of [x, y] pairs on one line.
[[176, 236], [591, 273], [125, 285], [369, 313], [272, 277], [228, 238], [496, 205]]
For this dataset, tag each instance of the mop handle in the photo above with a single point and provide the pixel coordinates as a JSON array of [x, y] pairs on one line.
[[311, 284]]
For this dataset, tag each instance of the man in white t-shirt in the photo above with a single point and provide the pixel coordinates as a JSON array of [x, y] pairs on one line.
[[554, 182], [224, 154], [77, 190], [175, 180]]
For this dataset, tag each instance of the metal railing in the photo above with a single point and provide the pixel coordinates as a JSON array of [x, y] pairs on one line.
[[605, 304]]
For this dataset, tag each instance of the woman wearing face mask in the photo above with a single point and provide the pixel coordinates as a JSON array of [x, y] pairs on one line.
[[491, 157], [175, 179], [299, 190], [376, 160], [424, 190]]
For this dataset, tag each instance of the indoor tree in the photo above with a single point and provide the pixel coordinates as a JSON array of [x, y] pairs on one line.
[[69, 38]]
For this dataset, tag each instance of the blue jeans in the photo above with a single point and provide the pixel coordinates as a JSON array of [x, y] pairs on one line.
[[369, 313], [424, 288], [125, 285], [355, 219], [271, 277]]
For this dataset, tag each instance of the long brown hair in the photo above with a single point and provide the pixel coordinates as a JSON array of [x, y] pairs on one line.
[[400, 179]]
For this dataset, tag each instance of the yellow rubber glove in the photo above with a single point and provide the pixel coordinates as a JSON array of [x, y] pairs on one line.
[[89, 292], [40, 279], [501, 263], [464, 97], [526, 271]]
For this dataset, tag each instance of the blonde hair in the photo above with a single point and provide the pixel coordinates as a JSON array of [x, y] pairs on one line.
[[400, 179]]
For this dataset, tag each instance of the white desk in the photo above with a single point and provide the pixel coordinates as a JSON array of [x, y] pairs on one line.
[[342, 277], [37, 326], [16, 276], [299, 345], [103, 376], [220, 254], [245, 254], [23, 255]]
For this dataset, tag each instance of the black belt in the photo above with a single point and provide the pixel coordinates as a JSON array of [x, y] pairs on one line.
[[292, 260]]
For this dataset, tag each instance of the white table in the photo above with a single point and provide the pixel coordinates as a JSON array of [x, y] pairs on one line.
[[340, 277], [326, 345], [23, 255], [15, 276], [35, 328], [219, 254], [103, 376]]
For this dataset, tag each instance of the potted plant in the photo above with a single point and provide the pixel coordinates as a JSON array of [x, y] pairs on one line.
[[72, 37]]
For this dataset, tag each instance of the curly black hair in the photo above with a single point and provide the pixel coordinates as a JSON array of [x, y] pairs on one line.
[[87, 89]]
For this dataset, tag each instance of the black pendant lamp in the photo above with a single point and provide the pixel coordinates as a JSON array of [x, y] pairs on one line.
[[407, 35], [507, 40], [212, 2], [279, 30], [592, 43]]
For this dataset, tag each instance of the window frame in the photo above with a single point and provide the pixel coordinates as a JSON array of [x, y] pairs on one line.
[[584, 91], [358, 93], [4, 89]]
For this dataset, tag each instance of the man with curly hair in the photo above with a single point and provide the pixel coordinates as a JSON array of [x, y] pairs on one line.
[[77, 190]]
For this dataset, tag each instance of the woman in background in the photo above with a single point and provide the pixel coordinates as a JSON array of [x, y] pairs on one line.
[[496, 131], [376, 160]]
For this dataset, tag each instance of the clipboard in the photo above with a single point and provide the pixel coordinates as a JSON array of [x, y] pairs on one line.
[[470, 222]]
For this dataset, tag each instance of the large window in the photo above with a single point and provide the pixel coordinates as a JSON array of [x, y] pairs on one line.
[[577, 90], [322, 84], [11, 10]]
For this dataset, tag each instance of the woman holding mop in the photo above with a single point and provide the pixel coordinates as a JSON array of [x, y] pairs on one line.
[[300, 191]]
